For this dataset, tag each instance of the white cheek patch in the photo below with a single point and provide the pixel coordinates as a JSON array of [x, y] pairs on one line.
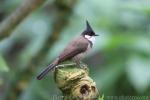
[[90, 38], [87, 36]]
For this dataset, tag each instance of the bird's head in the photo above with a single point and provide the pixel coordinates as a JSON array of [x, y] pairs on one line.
[[88, 32]]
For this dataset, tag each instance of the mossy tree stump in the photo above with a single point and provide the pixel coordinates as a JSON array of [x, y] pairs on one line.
[[75, 83]]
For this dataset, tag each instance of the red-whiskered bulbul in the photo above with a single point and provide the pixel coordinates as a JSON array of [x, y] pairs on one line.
[[75, 50]]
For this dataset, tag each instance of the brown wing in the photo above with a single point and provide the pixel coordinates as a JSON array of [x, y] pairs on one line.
[[77, 46]]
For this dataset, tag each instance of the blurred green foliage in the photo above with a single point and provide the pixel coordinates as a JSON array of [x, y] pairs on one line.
[[3, 65], [119, 62]]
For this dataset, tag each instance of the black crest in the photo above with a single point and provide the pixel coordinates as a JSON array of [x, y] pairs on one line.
[[89, 30]]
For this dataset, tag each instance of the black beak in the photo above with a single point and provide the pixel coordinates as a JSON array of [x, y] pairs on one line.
[[96, 35]]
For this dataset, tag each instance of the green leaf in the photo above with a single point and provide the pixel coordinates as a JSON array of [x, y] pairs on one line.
[[3, 65], [101, 98]]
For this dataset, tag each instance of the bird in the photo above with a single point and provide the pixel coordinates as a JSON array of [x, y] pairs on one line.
[[75, 50]]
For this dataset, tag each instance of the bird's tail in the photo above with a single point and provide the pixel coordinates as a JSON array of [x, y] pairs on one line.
[[45, 71]]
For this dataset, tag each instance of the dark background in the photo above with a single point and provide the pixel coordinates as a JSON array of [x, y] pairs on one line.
[[119, 62]]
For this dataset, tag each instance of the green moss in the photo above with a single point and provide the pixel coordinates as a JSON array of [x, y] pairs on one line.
[[75, 83]]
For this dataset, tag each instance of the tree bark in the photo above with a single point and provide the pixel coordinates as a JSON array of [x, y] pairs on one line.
[[75, 83]]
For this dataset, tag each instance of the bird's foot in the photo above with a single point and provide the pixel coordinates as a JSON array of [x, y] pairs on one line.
[[64, 65], [60, 66], [82, 65]]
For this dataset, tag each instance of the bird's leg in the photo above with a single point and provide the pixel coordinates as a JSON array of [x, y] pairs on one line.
[[83, 64], [77, 61], [63, 65]]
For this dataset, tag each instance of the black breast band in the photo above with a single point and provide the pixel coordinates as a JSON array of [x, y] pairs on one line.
[[91, 44]]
